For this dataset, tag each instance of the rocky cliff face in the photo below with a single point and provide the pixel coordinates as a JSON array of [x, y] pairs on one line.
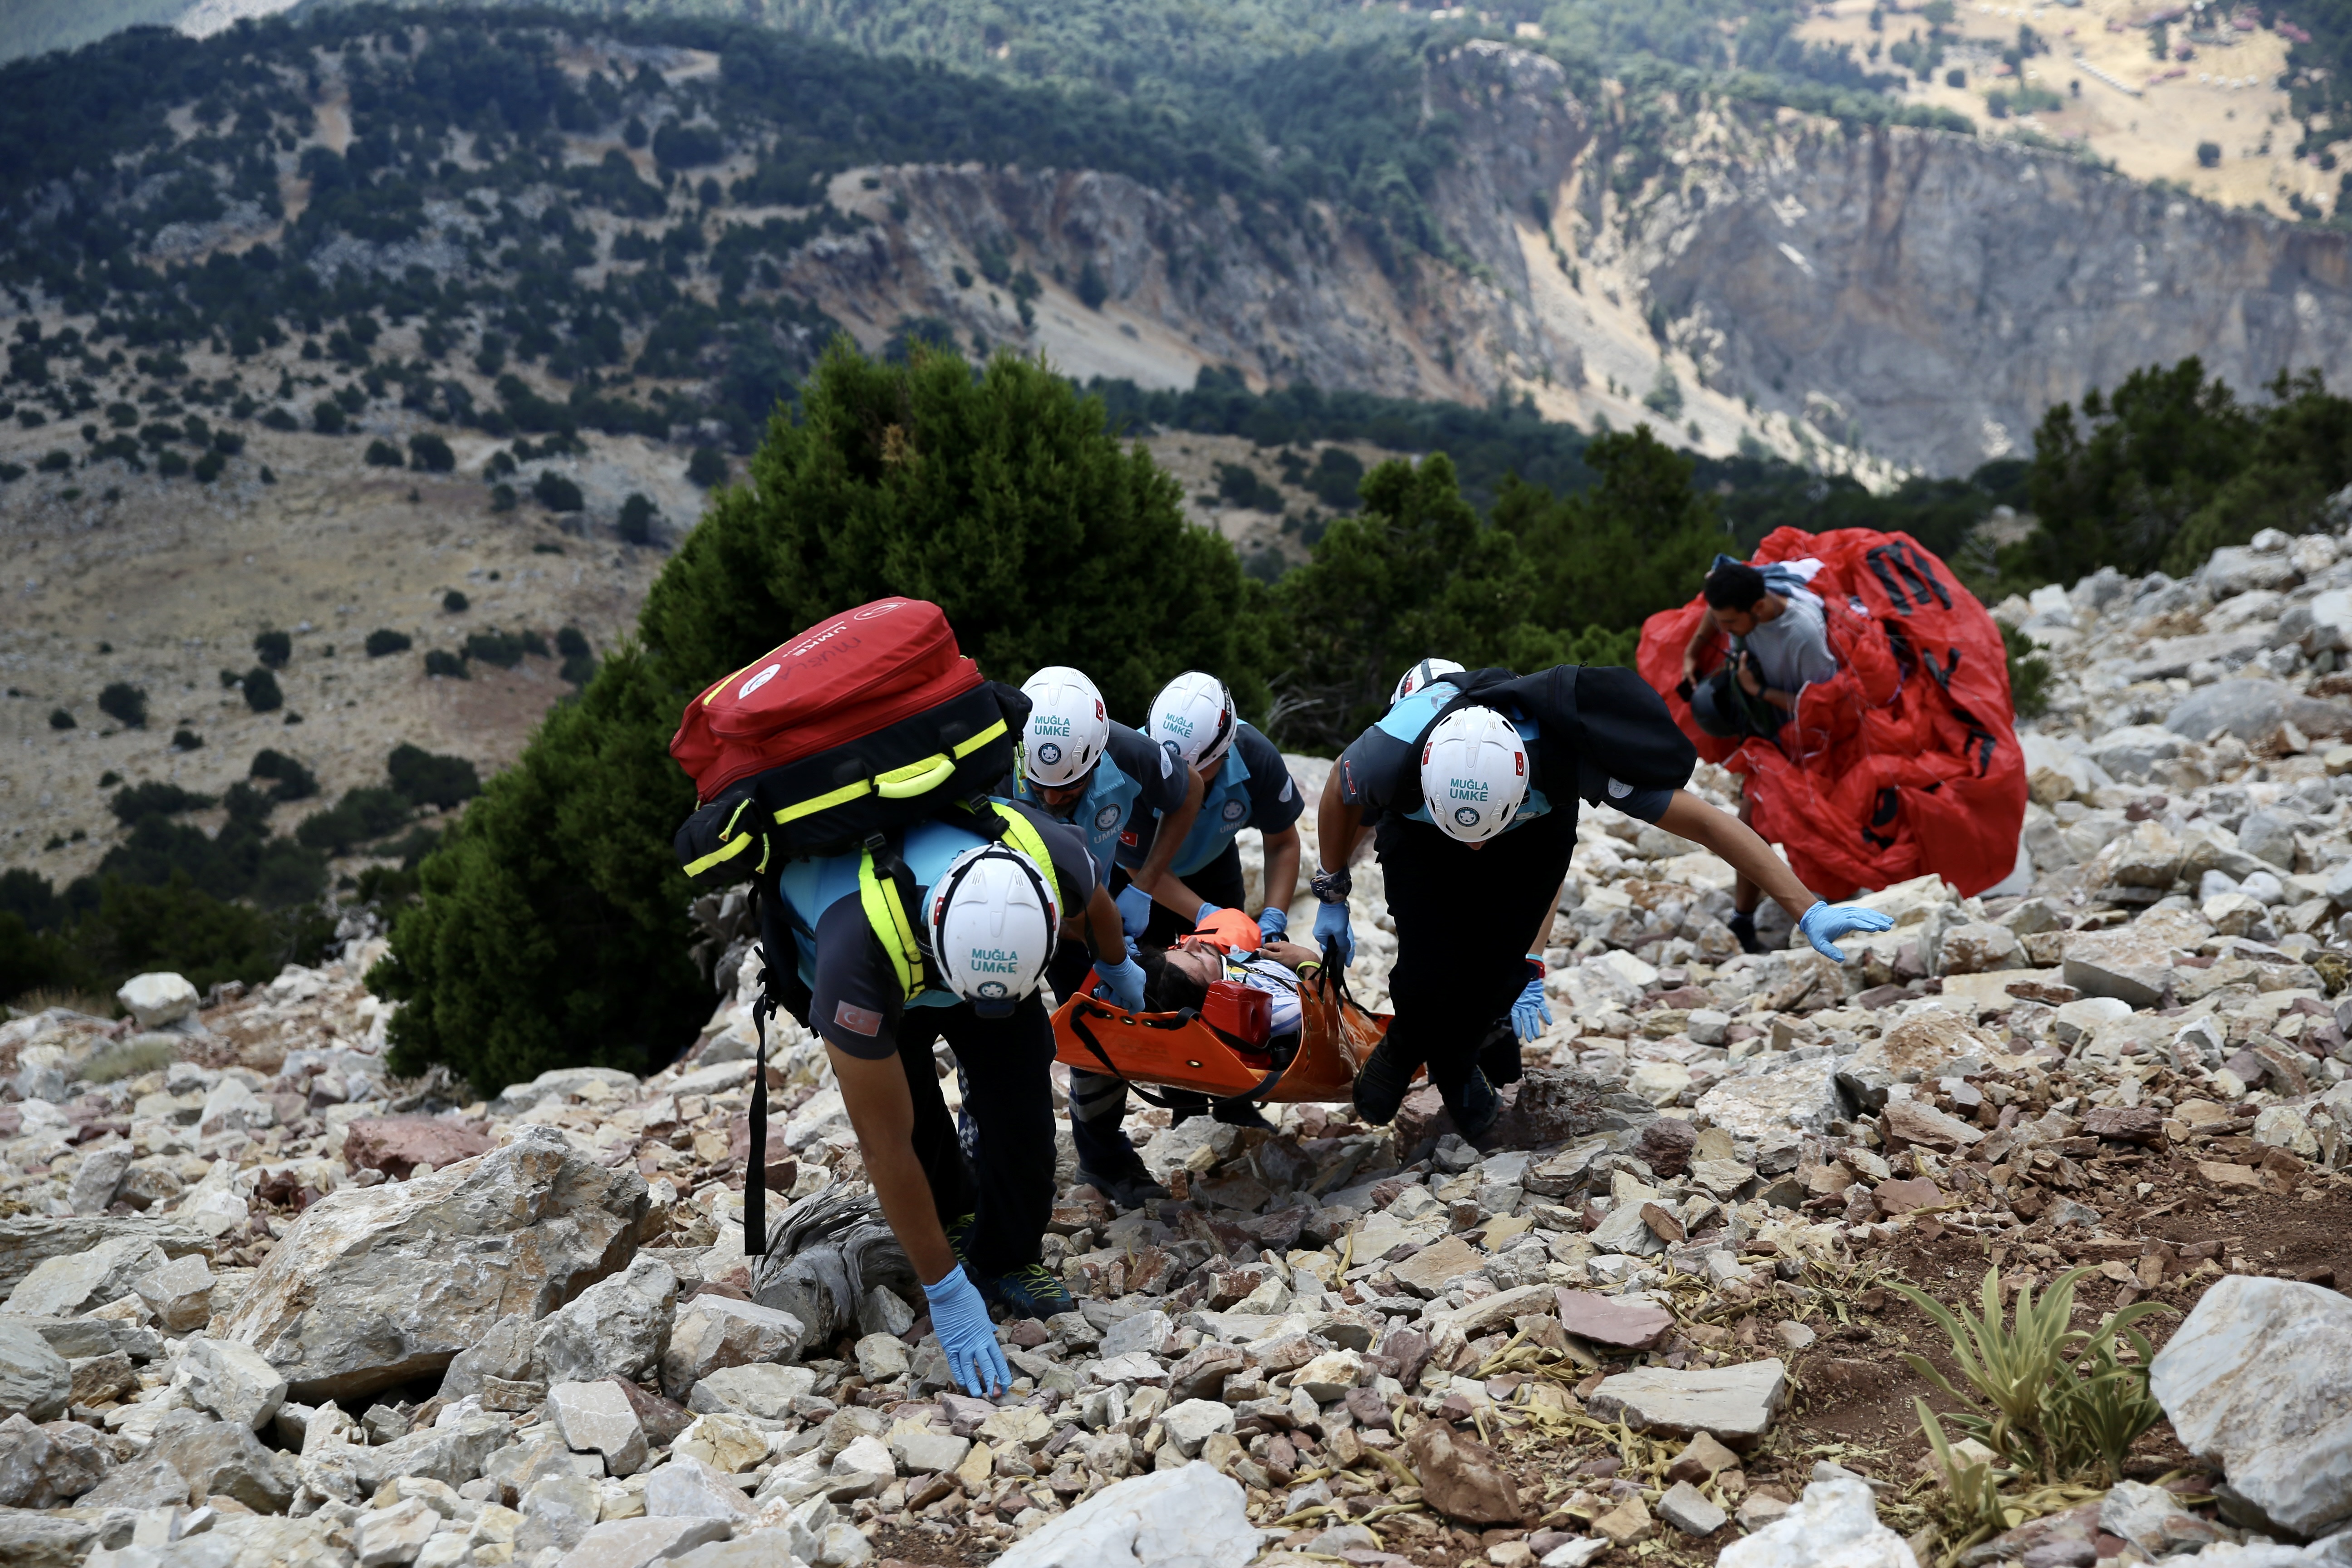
[[1937, 293], [1914, 295], [1285, 295]]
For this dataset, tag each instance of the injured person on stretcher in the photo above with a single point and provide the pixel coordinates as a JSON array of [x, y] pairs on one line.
[[1179, 978]]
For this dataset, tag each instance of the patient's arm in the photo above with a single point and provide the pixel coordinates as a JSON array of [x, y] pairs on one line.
[[1289, 954]]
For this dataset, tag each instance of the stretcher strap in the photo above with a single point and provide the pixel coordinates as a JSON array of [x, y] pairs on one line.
[[1255, 1096], [1078, 1027]]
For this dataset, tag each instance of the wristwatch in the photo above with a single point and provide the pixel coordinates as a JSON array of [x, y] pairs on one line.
[[1332, 887]]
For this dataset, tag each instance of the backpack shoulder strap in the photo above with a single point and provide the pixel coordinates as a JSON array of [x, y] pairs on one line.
[[1004, 824], [1472, 690], [886, 890]]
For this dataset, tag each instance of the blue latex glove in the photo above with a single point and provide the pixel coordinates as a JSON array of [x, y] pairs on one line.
[[1825, 922], [960, 1318], [1134, 912], [1330, 926], [1202, 918], [1124, 981], [1272, 922], [1531, 1015]]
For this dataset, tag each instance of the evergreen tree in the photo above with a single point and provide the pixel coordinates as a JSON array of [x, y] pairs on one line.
[[552, 925], [1637, 543], [1414, 574]]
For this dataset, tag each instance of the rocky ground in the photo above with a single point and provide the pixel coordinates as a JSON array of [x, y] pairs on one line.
[[268, 1305]]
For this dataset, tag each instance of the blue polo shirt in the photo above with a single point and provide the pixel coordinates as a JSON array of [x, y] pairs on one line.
[[1253, 788]]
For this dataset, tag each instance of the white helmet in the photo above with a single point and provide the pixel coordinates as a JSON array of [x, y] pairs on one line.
[[994, 921], [1421, 675], [1194, 718], [1473, 774], [1067, 727]]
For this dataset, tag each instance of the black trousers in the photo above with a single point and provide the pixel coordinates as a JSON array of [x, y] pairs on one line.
[[1463, 919], [1006, 1092], [1098, 1100]]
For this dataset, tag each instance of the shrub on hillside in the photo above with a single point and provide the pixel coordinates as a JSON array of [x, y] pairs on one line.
[[424, 778], [261, 692], [382, 454], [382, 641], [273, 649], [500, 648], [431, 453], [362, 815], [289, 779], [441, 661], [556, 494], [156, 798], [1001, 497], [637, 514], [125, 704]]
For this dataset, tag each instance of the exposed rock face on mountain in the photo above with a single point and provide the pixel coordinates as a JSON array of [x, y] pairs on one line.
[[1917, 295], [1294, 296], [1939, 291]]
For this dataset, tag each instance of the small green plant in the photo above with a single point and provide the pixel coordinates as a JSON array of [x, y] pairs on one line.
[[382, 641], [1973, 1508], [127, 1059], [2046, 1413], [2029, 675]]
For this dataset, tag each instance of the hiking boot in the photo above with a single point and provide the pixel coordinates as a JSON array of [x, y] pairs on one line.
[[1129, 1188], [1743, 927], [1475, 1109], [1032, 1291], [1380, 1087]]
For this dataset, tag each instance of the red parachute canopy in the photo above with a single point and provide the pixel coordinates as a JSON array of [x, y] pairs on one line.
[[1907, 763]]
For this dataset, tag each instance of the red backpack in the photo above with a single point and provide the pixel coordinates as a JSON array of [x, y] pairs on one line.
[[866, 722]]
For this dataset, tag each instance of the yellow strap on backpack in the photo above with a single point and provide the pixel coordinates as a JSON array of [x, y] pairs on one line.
[[886, 912], [1023, 835], [917, 777]]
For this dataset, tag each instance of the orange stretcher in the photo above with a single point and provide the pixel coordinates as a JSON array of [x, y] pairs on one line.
[[1185, 1050]]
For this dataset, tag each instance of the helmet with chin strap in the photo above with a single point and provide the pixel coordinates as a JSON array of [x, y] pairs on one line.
[[1193, 719], [1067, 728], [1421, 675], [1473, 774], [994, 921]]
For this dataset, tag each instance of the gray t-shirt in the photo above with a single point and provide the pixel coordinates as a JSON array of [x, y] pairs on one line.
[[1793, 651]]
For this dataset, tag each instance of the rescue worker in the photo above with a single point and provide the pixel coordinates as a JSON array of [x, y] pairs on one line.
[[1238, 780], [1243, 783], [946, 934], [1482, 759], [1107, 781], [1780, 645]]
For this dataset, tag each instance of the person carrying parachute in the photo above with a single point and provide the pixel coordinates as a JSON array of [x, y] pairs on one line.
[[1479, 759], [1863, 693]]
